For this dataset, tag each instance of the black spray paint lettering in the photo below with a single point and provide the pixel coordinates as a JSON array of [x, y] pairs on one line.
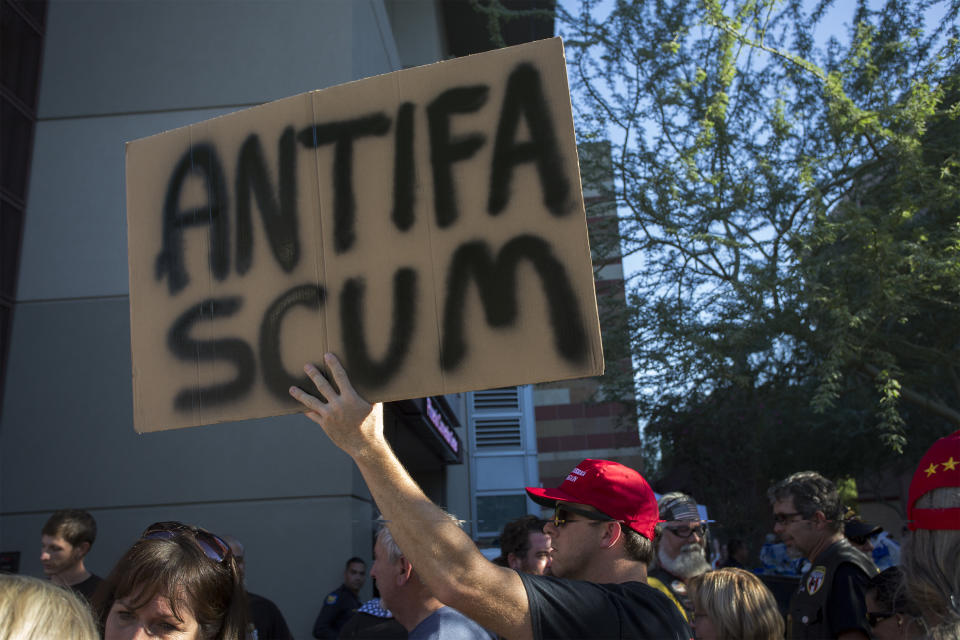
[[497, 284], [279, 214], [201, 158], [472, 262], [524, 96], [368, 372], [404, 175], [275, 376], [233, 350], [445, 149], [341, 135]]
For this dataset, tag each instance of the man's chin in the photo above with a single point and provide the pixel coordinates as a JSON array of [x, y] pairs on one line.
[[686, 565]]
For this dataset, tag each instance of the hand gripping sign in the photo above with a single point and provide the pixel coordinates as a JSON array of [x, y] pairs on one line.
[[427, 226]]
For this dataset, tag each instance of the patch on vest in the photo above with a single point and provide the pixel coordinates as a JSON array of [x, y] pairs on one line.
[[332, 598], [815, 580], [679, 587]]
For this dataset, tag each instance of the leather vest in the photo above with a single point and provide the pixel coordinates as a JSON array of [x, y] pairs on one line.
[[807, 618]]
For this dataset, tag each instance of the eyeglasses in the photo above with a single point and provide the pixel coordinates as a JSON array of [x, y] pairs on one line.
[[560, 515], [686, 532], [874, 618], [212, 545], [785, 518]]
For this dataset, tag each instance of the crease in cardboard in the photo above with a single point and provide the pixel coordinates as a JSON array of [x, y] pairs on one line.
[[198, 406], [320, 263], [434, 271]]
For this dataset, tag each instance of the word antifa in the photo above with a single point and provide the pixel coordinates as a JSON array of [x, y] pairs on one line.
[[495, 276]]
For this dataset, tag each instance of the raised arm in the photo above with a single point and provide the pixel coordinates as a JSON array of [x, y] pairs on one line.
[[443, 555]]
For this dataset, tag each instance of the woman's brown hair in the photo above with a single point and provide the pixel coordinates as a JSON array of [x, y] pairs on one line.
[[178, 570]]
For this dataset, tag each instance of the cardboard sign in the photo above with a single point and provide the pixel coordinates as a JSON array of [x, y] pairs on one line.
[[427, 226]]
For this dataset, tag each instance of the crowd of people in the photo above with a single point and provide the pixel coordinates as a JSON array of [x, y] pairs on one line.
[[607, 529], [612, 561]]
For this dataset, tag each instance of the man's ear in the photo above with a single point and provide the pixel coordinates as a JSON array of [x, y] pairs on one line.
[[406, 571], [83, 548], [514, 562], [819, 518], [612, 532]]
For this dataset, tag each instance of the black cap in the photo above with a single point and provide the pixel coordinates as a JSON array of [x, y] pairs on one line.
[[857, 528]]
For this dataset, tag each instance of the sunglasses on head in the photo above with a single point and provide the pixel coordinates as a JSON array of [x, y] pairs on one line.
[[561, 515], [686, 532], [874, 618], [211, 544]]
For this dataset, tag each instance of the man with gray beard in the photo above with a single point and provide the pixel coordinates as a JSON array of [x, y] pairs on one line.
[[680, 549]]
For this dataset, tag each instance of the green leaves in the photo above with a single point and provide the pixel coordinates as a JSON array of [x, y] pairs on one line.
[[793, 201]]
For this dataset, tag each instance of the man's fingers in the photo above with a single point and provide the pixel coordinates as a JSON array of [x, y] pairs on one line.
[[312, 403], [322, 384], [339, 374]]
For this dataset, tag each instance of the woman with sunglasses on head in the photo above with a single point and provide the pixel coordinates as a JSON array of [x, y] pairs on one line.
[[889, 614], [177, 582]]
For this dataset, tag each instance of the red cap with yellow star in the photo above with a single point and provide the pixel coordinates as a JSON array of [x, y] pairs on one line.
[[939, 467]]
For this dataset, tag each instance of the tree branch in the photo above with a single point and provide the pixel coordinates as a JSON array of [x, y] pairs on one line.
[[919, 399]]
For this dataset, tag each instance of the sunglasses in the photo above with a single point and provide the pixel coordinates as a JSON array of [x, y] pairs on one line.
[[212, 545], [686, 532], [873, 618], [561, 515], [859, 540]]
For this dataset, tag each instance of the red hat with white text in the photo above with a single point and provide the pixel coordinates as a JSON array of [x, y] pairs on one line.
[[613, 489], [939, 467]]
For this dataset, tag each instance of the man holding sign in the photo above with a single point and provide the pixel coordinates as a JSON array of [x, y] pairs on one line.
[[608, 596]]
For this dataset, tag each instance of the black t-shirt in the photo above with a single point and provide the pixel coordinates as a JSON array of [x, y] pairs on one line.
[[267, 619], [88, 587], [846, 609], [576, 609]]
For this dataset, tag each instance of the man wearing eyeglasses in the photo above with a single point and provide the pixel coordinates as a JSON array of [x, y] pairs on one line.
[[604, 518], [829, 602], [681, 555]]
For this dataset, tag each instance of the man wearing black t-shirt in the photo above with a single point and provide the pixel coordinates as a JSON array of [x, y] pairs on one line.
[[65, 540], [604, 517]]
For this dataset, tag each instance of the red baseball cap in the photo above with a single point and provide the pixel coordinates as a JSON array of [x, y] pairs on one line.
[[613, 489], [939, 467]]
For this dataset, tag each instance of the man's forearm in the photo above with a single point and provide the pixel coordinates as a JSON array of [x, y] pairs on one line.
[[443, 556], [410, 514]]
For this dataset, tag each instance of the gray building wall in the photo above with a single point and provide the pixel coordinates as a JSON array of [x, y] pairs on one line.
[[113, 72]]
